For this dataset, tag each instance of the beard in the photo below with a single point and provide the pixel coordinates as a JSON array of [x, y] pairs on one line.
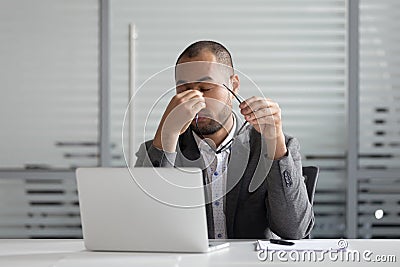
[[211, 126]]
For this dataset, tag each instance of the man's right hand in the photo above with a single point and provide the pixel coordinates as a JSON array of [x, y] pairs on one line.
[[177, 117]]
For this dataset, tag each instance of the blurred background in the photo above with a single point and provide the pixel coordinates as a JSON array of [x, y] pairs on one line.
[[67, 68]]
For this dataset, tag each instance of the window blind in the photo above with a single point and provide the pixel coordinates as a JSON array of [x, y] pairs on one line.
[[379, 84], [48, 112], [379, 125], [49, 83]]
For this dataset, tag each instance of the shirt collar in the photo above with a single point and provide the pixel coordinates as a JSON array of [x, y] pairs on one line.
[[225, 141]]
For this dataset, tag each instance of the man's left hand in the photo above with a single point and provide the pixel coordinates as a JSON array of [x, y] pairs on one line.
[[265, 116]]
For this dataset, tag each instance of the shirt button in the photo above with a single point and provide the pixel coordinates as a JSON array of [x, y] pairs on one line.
[[216, 173], [219, 235], [216, 203]]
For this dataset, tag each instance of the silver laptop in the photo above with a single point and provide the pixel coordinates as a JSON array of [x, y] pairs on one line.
[[144, 209]]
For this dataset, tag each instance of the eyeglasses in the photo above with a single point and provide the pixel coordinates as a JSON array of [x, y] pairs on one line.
[[228, 144]]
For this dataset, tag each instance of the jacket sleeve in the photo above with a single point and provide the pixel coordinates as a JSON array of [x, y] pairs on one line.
[[150, 156], [290, 213]]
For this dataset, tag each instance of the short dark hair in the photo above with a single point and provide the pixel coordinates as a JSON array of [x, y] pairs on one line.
[[221, 53]]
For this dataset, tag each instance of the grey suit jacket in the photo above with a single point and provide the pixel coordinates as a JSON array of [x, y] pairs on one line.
[[266, 197]]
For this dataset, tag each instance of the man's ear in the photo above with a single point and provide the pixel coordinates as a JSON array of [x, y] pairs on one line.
[[235, 83]]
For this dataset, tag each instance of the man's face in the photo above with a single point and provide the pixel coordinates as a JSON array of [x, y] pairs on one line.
[[203, 73]]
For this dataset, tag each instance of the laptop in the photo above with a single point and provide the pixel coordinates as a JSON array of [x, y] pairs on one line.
[[144, 209]]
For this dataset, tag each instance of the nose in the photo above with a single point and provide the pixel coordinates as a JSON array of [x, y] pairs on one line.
[[196, 87]]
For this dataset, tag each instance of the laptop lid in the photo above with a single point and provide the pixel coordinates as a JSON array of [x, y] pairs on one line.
[[142, 209]]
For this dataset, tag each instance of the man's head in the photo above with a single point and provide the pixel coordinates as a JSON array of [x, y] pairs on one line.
[[220, 52], [206, 66]]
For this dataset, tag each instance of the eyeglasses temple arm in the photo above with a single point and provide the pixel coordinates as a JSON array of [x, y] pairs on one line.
[[233, 93]]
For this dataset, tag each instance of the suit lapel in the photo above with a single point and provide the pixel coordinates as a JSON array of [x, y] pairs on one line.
[[236, 168], [188, 153]]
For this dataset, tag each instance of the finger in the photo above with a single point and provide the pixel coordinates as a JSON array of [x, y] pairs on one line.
[[261, 113], [189, 94], [250, 100], [191, 106], [257, 105], [190, 97], [197, 106], [267, 120]]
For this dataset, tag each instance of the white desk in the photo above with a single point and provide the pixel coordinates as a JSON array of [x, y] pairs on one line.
[[61, 253]]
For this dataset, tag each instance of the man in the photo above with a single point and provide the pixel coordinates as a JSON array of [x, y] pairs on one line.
[[253, 172]]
